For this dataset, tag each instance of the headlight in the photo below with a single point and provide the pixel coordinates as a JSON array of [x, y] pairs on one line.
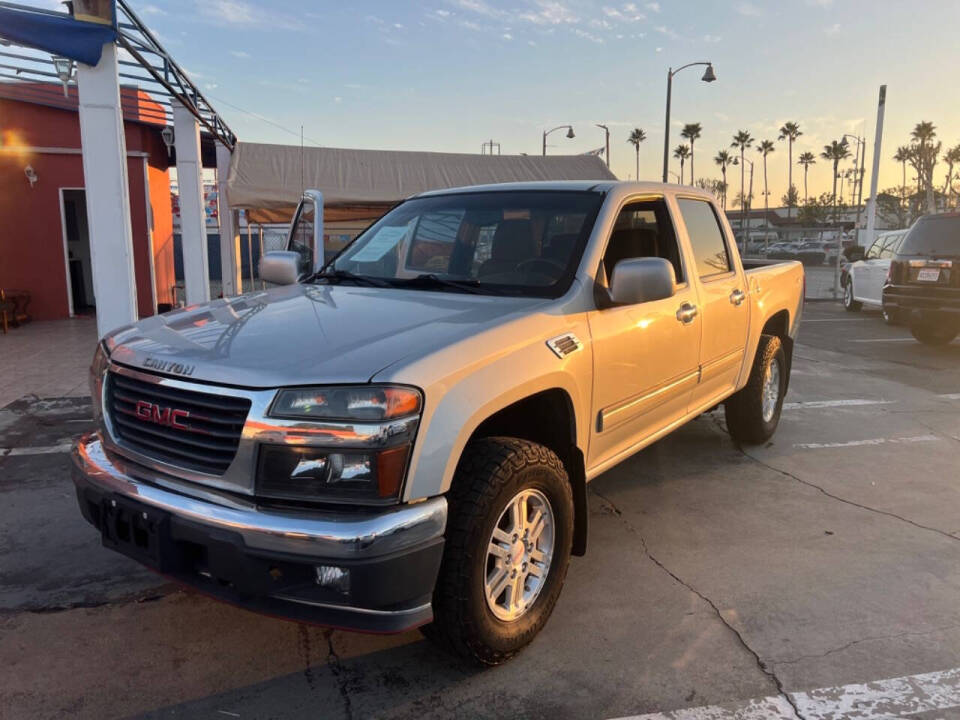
[[365, 403], [371, 430], [307, 473], [98, 369]]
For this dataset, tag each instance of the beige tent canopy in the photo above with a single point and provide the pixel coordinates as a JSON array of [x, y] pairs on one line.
[[267, 180]]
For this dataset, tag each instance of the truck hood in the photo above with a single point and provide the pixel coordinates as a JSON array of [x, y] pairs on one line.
[[303, 334]]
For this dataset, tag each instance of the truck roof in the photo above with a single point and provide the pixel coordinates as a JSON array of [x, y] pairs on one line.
[[599, 186]]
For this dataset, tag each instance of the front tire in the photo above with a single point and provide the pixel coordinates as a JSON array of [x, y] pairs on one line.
[[508, 541], [935, 334], [753, 413], [849, 304]]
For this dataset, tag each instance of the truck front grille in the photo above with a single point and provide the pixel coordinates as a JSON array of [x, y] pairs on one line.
[[194, 430]]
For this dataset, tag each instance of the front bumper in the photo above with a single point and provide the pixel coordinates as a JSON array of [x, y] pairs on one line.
[[371, 571]]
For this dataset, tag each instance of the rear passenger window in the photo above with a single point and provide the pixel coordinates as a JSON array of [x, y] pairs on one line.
[[643, 229], [706, 238]]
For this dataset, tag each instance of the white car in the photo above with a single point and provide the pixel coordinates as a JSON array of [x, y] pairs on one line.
[[863, 284]]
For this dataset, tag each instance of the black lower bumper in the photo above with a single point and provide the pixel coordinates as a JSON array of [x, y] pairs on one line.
[[922, 304], [381, 594]]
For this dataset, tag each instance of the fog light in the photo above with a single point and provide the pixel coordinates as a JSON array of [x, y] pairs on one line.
[[333, 578]]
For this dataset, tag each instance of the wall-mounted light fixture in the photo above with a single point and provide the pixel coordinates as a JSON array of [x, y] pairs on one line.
[[31, 175], [64, 68], [167, 135]]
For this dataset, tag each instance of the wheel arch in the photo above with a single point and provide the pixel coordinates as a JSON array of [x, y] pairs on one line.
[[547, 418], [778, 325]]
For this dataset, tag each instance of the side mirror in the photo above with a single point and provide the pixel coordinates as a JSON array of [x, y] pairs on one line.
[[639, 280], [281, 267]]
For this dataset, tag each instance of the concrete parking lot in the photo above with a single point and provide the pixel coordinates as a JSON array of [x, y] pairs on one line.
[[745, 578]]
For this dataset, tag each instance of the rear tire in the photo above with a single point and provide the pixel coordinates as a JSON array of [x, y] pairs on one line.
[[493, 473], [753, 413], [849, 304], [934, 334]]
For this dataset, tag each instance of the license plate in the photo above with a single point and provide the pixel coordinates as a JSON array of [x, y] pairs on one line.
[[928, 274], [134, 529]]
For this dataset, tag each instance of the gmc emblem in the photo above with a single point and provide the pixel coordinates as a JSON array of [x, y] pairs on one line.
[[170, 417]]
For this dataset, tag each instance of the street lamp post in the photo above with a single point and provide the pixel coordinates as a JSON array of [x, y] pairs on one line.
[[558, 127], [708, 76], [606, 132]]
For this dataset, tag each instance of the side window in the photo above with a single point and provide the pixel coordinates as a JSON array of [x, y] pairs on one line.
[[301, 238], [642, 229], [886, 252], [874, 252], [706, 238]]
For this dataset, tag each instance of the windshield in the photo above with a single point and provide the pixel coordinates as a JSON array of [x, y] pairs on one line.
[[520, 242], [932, 235]]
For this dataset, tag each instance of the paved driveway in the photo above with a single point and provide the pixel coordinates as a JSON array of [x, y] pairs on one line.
[[715, 575]]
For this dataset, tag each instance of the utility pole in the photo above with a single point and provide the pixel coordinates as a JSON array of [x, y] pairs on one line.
[[491, 144], [872, 200]]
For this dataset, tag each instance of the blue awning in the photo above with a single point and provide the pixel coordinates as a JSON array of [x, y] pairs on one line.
[[55, 33]]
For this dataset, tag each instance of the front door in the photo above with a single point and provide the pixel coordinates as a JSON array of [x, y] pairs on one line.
[[724, 305], [645, 355]]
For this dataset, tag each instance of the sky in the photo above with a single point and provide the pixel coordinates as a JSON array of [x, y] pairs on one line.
[[448, 75]]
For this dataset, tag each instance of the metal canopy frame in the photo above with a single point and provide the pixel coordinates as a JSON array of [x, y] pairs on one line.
[[152, 69]]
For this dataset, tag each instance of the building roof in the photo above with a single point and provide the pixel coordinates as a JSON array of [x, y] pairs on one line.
[[268, 180]]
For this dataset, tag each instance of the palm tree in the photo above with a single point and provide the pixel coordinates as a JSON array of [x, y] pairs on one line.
[[789, 132], [903, 156], [723, 159], [923, 133], [835, 152], [742, 140], [681, 153], [637, 136], [806, 159], [765, 148], [951, 158], [691, 131]]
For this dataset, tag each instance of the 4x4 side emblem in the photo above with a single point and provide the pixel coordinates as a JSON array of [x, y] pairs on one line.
[[171, 417]]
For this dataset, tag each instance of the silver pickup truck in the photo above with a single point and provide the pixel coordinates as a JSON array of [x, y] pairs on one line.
[[403, 436]]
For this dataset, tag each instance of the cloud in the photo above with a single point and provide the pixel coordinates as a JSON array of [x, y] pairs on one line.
[[820, 3], [442, 13], [243, 14], [749, 10], [833, 29], [149, 10], [712, 38], [550, 12], [338, 99], [507, 36], [588, 36], [664, 30], [653, 6], [240, 53]]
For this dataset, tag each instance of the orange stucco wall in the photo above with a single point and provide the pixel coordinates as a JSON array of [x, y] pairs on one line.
[[31, 244]]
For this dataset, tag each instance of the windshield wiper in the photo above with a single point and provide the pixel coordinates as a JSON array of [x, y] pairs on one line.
[[331, 275], [431, 280]]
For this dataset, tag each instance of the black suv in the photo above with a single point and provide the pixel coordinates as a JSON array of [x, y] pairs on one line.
[[923, 285]]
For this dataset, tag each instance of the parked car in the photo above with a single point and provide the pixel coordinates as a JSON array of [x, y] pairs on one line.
[[404, 435], [814, 252], [785, 251], [863, 279], [923, 283]]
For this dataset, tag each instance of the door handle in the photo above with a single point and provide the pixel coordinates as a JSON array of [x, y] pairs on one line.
[[686, 313], [737, 296]]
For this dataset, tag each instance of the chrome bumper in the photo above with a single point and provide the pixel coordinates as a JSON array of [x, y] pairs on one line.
[[394, 552]]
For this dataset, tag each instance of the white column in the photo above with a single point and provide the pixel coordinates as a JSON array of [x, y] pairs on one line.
[[877, 143], [193, 229], [229, 229], [107, 192]]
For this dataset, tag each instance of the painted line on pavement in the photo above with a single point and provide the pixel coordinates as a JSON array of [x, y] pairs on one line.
[[898, 697], [851, 402], [949, 396], [870, 441], [40, 450]]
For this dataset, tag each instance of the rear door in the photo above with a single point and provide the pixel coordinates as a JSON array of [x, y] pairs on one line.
[[868, 281], [645, 355], [724, 306]]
